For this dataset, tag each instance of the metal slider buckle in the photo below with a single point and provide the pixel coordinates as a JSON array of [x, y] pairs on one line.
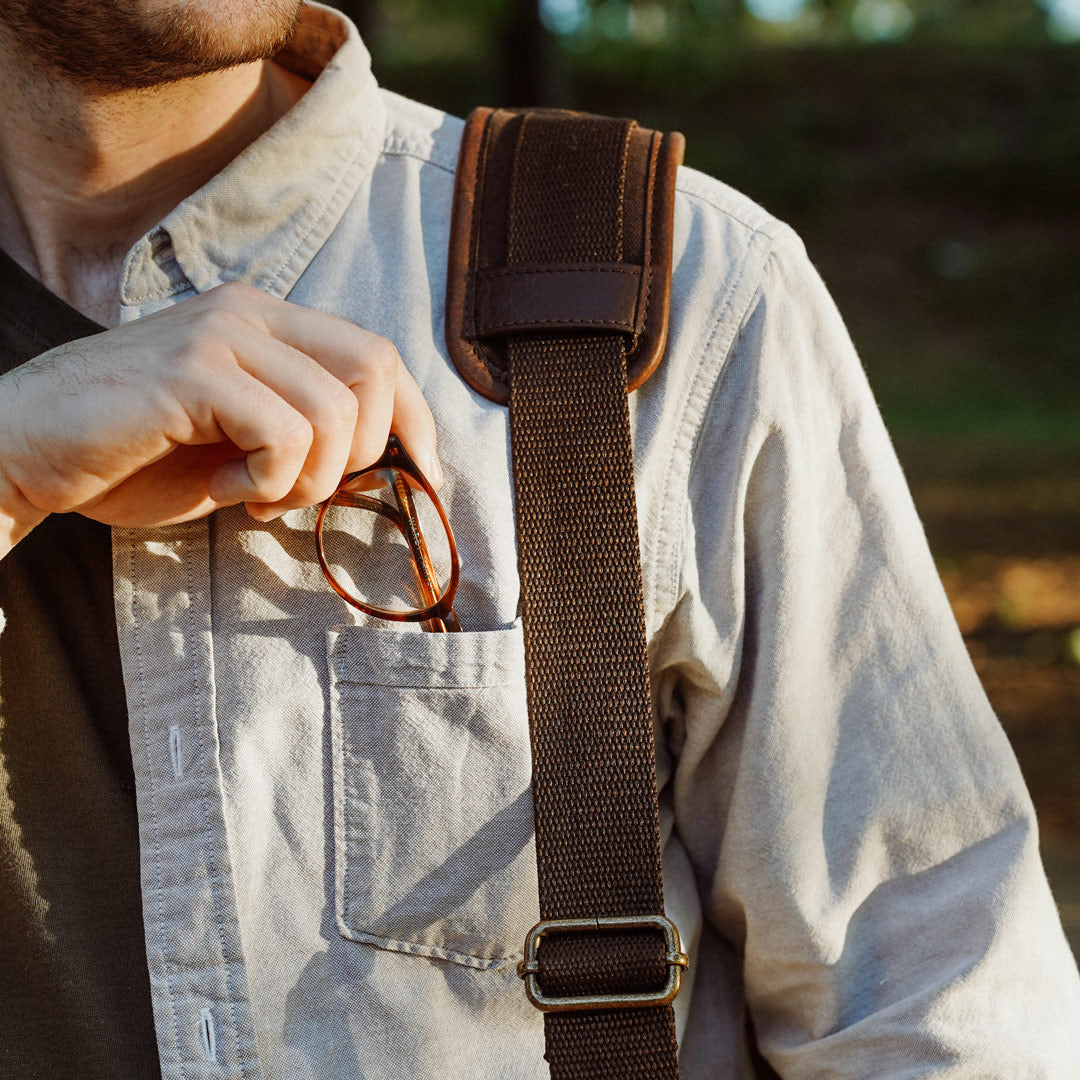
[[675, 958]]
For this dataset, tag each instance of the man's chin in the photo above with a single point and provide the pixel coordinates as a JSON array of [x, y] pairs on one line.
[[128, 45]]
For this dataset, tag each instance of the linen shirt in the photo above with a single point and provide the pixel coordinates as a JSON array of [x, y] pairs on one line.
[[335, 814]]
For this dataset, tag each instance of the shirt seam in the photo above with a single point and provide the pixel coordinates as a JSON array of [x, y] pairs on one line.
[[345, 680], [174, 289], [212, 875], [669, 568], [155, 825], [332, 200], [401, 151], [770, 226]]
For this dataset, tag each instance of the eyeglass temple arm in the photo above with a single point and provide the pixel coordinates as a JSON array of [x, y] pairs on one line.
[[421, 560], [413, 537], [376, 506], [405, 521]]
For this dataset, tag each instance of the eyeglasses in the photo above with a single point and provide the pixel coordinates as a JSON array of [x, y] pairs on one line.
[[385, 545]]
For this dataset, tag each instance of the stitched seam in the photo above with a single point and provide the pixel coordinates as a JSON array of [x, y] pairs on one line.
[[490, 962], [644, 308], [150, 297], [212, 873], [417, 156], [154, 827], [650, 225], [578, 320], [573, 268], [327, 208], [153, 297], [624, 157], [769, 227], [498, 375], [689, 428], [344, 680], [340, 839]]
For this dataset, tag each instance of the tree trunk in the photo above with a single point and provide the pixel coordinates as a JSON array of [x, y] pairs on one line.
[[528, 72], [365, 13]]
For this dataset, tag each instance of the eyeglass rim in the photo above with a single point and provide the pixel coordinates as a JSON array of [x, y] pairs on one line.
[[394, 456]]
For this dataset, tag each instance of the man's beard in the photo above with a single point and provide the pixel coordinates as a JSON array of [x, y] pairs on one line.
[[135, 44]]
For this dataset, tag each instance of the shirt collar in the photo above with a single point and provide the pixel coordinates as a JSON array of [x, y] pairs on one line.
[[265, 215]]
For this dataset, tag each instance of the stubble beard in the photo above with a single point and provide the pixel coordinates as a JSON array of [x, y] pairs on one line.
[[138, 44]]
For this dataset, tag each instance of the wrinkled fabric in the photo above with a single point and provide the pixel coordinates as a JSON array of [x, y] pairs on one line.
[[335, 818]]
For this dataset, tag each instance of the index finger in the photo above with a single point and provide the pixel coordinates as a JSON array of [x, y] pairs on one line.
[[387, 395]]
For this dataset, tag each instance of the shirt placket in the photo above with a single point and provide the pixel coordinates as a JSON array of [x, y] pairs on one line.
[[198, 974]]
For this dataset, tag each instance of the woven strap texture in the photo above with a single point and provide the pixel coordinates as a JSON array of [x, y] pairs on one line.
[[594, 780]]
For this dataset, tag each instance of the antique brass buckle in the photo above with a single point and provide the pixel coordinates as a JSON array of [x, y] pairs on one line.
[[675, 958]]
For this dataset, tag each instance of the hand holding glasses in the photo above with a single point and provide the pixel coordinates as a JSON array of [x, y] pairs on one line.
[[385, 545]]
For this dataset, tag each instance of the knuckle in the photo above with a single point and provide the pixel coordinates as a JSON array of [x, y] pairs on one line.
[[190, 365], [343, 407], [382, 360], [294, 436], [220, 323], [230, 293], [184, 363]]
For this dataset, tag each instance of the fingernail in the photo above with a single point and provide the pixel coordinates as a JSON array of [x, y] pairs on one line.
[[261, 512], [434, 470]]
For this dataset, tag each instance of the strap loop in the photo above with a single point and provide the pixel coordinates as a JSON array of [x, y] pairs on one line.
[[527, 299]]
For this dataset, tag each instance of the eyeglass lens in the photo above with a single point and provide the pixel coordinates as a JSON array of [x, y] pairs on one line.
[[370, 541]]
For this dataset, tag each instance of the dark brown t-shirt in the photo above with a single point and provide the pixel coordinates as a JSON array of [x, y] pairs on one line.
[[74, 988]]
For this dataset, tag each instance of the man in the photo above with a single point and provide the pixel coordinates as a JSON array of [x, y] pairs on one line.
[[313, 833]]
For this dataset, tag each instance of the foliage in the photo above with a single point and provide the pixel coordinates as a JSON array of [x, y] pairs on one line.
[[581, 24], [934, 181]]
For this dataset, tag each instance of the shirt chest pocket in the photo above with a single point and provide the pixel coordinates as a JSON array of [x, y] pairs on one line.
[[433, 818]]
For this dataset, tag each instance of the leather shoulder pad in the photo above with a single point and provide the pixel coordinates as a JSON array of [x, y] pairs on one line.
[[562, 225]]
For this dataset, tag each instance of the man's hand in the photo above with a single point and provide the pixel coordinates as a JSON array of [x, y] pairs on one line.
[[229, 397]]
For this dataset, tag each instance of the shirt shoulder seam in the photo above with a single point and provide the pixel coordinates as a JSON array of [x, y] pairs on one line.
[[667, 545], [397, 149], [767, 225]]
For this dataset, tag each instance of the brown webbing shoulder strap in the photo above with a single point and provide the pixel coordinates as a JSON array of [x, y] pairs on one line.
[[560, 267]]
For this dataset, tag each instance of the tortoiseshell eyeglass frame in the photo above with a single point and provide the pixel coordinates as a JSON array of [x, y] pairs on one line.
[[438, 615]]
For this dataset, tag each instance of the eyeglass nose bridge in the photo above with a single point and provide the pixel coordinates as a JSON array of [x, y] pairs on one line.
[[438, 612]]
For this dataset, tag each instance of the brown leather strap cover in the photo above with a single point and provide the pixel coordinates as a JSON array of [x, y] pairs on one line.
[[493, 294]]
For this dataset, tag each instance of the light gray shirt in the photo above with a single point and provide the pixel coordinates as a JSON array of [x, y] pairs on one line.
[[335, 815]]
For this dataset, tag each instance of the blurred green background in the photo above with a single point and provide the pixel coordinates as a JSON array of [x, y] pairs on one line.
[[928, 152]]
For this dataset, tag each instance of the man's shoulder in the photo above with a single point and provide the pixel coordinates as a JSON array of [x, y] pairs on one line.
[[723, 243], [419, 131], [731, 256], [709, 197], [704, 204]]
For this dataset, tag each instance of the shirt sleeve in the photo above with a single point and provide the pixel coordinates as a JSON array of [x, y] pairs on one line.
[[855, 816]]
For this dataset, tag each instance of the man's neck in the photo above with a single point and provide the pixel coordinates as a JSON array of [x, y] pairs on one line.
[[84, 172]]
